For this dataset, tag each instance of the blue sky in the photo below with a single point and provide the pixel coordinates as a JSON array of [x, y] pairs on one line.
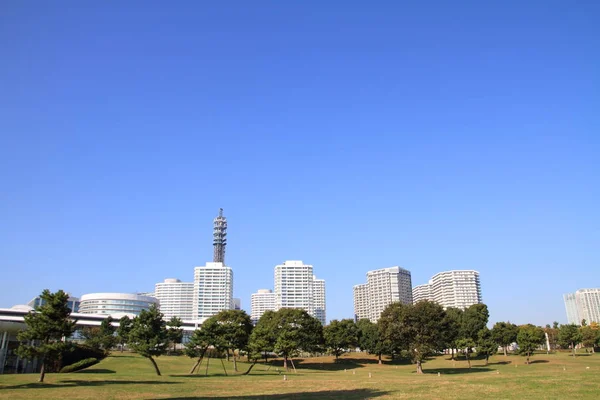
[[350, 135]]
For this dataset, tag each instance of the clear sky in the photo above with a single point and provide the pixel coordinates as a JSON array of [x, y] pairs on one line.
[[350, 135]]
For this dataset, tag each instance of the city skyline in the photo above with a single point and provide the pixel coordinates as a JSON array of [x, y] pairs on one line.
[[452, 137]]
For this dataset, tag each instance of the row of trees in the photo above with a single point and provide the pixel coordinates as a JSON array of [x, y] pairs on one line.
[[414, 331]]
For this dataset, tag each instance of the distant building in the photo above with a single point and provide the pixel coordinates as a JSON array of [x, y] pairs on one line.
[[176, 298], [422, 292], [115, 304], [297, 287], [583, 304], [72, 303], [213, 290], [261, 301], [237, 304], [384, 287], [459, 288]]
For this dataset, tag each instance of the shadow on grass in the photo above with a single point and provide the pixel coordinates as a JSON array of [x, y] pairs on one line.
[[96, 371], [339, 365], [538, 361], [455, 371], [326, 394], [501, 363], [75, 383]]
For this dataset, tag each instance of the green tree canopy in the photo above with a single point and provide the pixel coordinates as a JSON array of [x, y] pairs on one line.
[[48, 324], [102, 337], [369, 339], [295, 330], [453, 324], [474, 319], [174, 331], [486, 344], [123, 331], [392, 330], [505, 333], [235, 329], [589, 336], [340, 336], [262, 339], [148, 336], [569, 336], [529, 338]]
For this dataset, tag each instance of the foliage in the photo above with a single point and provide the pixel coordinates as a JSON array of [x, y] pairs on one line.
[[505, 333], [102, 337], [174, 331], [262, 339], [235, 328], [392, 332], [486, 344], [453, 321], [148, 335], [569, 336], [123, 330], [79, 365], [529, 338], [474, 319], [466, 345], [47, 326], [369, 338], [589, 336], [340, 336], [418, 328], [77, 352]]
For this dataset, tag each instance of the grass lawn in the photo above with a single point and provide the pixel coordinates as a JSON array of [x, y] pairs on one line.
[[128, 376]]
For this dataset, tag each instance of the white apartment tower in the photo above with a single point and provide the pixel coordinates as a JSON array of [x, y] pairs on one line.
[[261, 301], [213, 290], [383, 287], [176, 298], [459, 288], [297, 287], [583, 304], [422, 292]]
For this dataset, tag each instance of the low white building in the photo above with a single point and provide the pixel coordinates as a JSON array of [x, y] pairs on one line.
[[176, 298], [115, 304]]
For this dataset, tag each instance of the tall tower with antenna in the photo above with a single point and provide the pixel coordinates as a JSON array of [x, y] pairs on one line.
[[219, 237]]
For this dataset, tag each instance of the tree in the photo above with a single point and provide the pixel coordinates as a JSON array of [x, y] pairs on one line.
[[369, 339], [391, 328], [569, 336], [466, 344], [102, 337], [453, 323], [236, 328], [148, 336], [505, 333], [589, 336], [552, 336], [174, 331], [486, 344], [340, 335], [48, 324], [123, 331], [529, 338], [262, 339], [474, 319], [295, 330], [419, 328], [208, 335]]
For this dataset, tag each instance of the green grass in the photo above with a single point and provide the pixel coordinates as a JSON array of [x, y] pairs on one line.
[[129, 376]]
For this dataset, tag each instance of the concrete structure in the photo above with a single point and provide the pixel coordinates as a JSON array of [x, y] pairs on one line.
[[295, 288], [458, 288], [261, 301], [422, 292], [115, 304], [383, 287], [319, 299], [176, 298], [213, 290], [583, 304], [361, 301], [73, 303]]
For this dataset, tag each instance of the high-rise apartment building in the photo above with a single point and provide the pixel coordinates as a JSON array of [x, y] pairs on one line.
[[261, 301], [583, 304], [459, 289], [384, 287], [297, 287], [361, 301], [176, 298], [422, 292], [213, 290], [319, 299]]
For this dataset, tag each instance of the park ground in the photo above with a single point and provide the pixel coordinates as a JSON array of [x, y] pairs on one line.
[[129, 376]]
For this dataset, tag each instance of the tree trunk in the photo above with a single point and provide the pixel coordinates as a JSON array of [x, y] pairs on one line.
[[452, 353], [487, 359], [223, 364], [573, 347], [155, 366], [379, 358], [285, 363], [336, 355], [234, 362], [468, 359], [196, 365], [528, 353], [250, 369], [504, 347], [42, 371], [419, 368]]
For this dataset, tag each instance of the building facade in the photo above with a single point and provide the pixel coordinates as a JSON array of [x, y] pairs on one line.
[[422, 292], [176, 298], [583, 304], [384, 287], [261, 301], [115, 304], [72, 303], [213, 290], [459, 288], [297, 287]]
